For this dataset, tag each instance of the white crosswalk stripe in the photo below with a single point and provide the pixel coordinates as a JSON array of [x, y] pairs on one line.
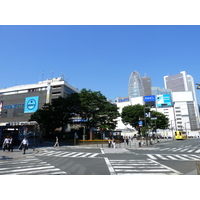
[[178, 157], [64, 154], [182, 149], [137, 167], [28, 166]]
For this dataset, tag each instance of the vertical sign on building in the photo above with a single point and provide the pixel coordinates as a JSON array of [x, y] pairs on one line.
[[31, 104], [1, 106], [48, 92]]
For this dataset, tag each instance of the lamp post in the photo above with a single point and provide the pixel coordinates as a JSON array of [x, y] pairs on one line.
[[198, 86], [145, 123], [186, 127]]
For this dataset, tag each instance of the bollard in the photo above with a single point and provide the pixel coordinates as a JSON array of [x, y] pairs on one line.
[[198, 168]]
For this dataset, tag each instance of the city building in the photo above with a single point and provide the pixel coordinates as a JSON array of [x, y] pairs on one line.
[[19, 102], [160, 91], [177, 101], [184, 97], [135, 87], [147, 85]]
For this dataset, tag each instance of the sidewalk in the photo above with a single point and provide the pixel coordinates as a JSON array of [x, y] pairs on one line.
[[4, 155], [134, 144]]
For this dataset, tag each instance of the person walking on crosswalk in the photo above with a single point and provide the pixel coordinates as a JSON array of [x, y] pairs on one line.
[[57, 143], [24, 145], [6, 144]]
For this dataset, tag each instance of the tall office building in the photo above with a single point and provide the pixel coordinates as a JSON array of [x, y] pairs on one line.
[[135, 87], [147, 85], [184, 98]]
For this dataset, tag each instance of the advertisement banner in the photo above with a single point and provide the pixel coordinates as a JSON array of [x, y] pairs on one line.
[[164, 100], [31, 104]]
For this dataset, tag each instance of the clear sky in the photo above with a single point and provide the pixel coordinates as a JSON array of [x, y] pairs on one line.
[[100, 58]]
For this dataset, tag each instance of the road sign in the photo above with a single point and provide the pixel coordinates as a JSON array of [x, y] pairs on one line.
[[140, 123]]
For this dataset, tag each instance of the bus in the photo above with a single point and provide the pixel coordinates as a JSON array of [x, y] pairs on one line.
[[180, 135]]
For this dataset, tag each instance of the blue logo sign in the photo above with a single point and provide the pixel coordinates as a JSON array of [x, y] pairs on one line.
[[149, 98], [31, 104]]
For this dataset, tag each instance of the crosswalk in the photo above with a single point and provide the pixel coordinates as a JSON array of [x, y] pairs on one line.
[[63, 154], [177, 157], [181, 150], [138, 167], [28, 166]]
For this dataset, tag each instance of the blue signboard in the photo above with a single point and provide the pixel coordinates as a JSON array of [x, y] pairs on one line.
[[126, 99], [31, 104], [149, 98], [140, 123]]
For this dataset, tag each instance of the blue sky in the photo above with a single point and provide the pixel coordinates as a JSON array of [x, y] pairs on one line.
[[100, 58]]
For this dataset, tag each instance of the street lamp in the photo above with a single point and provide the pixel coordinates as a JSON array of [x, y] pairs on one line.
[[145, 123], [198, 86], [186, 127]]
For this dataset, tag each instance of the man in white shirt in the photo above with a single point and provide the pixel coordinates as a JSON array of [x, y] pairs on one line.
[[24, 145], [6, 144]]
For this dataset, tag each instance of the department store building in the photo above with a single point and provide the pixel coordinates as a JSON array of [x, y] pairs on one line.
[[18, 103]]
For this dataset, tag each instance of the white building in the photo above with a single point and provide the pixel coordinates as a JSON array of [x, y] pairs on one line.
[[178, 107]]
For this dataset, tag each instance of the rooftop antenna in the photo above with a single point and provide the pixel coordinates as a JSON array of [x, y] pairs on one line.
[[63, 76], [52, 74], [42, 76]]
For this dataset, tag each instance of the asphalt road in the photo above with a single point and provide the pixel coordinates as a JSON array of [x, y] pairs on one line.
[[168, 158]]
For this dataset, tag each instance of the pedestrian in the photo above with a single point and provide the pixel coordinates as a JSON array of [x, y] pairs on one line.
[[113, 143], [57, 143], [24, 145], [127, 140], [6, 144], [109, 143], [11, 144]]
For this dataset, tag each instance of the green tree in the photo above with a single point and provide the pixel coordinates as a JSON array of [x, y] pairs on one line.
[[91, 106], [45, 118], [133, 114], [162, 121], [97, 111]]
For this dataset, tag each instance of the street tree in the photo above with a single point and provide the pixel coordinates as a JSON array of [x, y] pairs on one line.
[[133, 114], [158, 120], [90, 106], [97, 111]]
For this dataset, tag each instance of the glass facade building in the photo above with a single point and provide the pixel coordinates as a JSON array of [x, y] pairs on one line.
[[135, 87]]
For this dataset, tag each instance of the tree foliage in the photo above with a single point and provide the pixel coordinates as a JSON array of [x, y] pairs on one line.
[[133, 114], [90, 106]]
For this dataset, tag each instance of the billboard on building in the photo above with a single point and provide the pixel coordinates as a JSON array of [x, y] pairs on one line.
[[150, 100], [31, 104], [125, 99], [164, 100]]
